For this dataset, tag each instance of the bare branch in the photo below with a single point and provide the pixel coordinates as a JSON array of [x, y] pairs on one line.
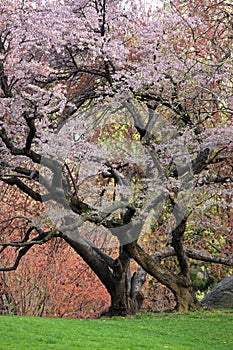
[[23, 187]]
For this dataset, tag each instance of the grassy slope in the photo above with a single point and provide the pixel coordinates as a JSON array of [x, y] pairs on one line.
[[205, 330]]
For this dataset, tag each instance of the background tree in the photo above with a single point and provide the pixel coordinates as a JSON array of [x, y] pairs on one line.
[[153, 64]]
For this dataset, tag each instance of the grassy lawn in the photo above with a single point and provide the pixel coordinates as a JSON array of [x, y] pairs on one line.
[[202, 330]]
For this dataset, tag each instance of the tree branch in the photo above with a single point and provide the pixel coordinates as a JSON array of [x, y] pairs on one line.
[[25, 245], [23, 187], [32, 130]]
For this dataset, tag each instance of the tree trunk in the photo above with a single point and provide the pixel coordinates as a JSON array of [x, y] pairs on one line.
[[96, 262], [127, 297], [179, 285], [185, 297], [125, 292]]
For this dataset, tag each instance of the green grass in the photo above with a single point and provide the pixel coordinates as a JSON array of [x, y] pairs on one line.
[[199, 331]]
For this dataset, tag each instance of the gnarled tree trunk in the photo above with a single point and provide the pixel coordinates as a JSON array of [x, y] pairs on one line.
[[179, 285], [125, 291], [127, 297], [185, 297]]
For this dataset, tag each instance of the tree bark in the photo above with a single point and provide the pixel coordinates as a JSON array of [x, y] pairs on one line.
[[127, 297], [93, 260], [120, 301], [185, 296], [186, 299], [125, 292], [180, 285]]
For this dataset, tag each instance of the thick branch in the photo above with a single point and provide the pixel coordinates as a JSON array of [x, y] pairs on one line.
[[177, 243], [151, 266], [35, 157], [109, 261], [201, 161], [32, 130], [24, 188], [140, 275], [194, 254], [52, 164], [138, 122], [92, 258]]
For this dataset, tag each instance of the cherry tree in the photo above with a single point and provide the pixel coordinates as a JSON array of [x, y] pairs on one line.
[[117, 117]]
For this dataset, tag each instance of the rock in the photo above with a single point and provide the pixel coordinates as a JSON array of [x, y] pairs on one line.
[[221, 296]]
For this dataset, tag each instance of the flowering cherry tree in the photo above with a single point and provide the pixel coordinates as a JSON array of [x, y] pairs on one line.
[[117, 116]]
